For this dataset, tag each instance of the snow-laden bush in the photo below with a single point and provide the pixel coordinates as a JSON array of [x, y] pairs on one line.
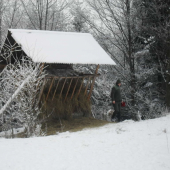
[[20, 84]]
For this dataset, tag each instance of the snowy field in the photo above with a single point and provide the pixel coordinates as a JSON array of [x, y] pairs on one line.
[[127, 145]]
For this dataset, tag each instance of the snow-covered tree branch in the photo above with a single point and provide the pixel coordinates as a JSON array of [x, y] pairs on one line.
[[20, 84]]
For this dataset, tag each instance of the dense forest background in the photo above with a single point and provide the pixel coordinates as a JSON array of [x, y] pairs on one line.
[[134, 33]]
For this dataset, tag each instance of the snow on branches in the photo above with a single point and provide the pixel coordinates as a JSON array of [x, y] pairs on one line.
[[20, 84]]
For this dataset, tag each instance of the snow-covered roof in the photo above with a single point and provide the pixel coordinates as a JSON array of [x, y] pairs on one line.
[[61, 47]]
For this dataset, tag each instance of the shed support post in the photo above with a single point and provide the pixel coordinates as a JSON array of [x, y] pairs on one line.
[[80, 87], [50, 89], [41, 67], [68, 89], [56, 89], [38, 85], [74, 88], [42, 89], [92, 85], [62, 88]]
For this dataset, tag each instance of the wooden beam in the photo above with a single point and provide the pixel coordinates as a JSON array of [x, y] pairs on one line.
[[62, 88], [80, 87], [41, 67], [68, 89], [56, 89], [50, 89], [91, 89], [38, 85], [88, 75], [74, 88], [42, 89]]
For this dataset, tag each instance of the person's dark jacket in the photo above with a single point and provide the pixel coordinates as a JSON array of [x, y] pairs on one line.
[[116, 94]]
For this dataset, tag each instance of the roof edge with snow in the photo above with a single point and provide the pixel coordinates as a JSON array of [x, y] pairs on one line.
[[61, 47]]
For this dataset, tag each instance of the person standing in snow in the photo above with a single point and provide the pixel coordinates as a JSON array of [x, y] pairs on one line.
[[116, 100]]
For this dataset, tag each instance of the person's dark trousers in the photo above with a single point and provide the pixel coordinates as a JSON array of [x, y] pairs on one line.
[[117, 112]]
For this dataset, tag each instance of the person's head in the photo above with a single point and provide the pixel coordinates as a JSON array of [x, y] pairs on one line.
[[118, 83]]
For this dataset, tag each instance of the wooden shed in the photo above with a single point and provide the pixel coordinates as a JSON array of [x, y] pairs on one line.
[[57, 52]]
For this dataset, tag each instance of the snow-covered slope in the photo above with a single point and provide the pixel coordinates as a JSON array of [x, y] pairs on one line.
[[127, 145]]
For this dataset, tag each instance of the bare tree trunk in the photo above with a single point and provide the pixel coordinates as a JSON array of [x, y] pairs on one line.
[[46, 14], [42, 14], [168, 76], [120, 26], [1, 13], [13, 14], [130, 52]]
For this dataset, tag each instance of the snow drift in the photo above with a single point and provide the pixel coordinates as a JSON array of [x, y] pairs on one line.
[[128, 145]]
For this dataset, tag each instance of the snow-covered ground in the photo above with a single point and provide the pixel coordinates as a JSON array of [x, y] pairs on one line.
[[127, 145]]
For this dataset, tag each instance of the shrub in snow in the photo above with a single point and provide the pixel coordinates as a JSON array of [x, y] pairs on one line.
[[20, 84]]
